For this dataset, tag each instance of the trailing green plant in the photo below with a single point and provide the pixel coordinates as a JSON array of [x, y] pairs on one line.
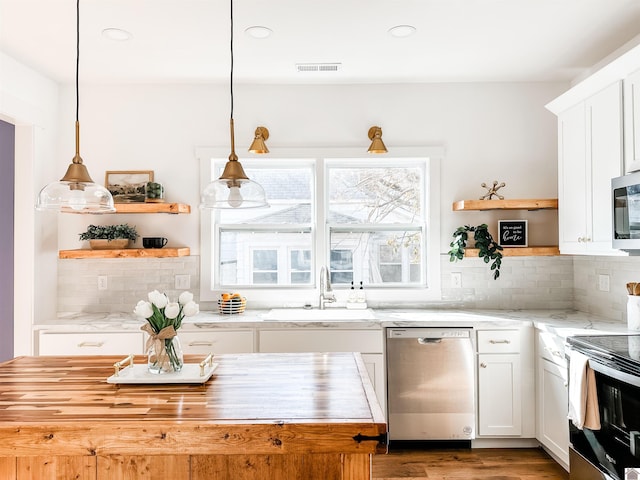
[[109, 232], [487, 247]]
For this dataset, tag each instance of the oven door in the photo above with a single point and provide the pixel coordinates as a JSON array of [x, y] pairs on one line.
[[616, 446]]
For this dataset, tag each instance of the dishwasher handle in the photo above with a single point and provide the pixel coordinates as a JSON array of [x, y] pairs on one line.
[[428, 341]]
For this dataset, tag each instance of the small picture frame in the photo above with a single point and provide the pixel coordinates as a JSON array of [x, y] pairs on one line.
[[512, 233], [128, 186]]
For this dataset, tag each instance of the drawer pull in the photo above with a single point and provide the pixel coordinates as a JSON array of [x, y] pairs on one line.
[[495, 342], [91, 344], [201, 343]]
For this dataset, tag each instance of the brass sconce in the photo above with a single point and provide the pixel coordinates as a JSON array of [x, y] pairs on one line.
[[377, 145], [258, 145]]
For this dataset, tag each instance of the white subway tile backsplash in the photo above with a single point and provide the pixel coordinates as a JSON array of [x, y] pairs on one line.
[[129, 280]]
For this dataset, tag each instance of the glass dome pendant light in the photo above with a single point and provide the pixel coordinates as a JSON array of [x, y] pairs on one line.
[[233, 189], [76, 192]]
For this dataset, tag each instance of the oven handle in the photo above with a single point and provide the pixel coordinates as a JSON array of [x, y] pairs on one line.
[[606, 370]]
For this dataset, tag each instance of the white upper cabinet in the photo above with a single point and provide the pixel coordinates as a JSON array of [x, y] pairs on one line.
[[632, 122], [589, 156]]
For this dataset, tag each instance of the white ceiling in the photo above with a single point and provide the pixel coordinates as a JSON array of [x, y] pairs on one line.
[[188, 40]]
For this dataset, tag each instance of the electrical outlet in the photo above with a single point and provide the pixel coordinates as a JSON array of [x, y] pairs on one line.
[[102, 282], [456, 280], [183, 282], [603, 283]]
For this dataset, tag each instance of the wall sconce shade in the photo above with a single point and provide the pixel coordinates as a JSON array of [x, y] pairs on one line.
[[258, 145], [377, 145], [76, 192]]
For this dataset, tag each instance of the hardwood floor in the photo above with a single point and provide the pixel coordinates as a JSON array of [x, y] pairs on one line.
[[467, 464]]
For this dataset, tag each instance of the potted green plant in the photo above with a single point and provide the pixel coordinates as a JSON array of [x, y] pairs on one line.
[[103, 237], [488, 249]]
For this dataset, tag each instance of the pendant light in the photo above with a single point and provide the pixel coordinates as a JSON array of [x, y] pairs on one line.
[[234, 189], [76, 192], [377, 145]]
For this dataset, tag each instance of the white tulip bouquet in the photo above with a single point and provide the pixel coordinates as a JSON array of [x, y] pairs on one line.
[[164, 318]]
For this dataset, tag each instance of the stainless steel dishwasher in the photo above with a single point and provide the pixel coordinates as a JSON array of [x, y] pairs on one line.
[[430, 383]]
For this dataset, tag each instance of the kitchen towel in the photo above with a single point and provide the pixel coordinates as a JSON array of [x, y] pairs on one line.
[[583, 396]]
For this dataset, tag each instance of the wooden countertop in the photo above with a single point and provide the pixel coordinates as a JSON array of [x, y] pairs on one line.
[[254, 403]]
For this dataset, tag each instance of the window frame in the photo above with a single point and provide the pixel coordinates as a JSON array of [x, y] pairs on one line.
[[296, 295]]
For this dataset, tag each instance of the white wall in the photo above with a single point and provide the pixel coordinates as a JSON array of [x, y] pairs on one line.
[[30, 101], [490, 132]]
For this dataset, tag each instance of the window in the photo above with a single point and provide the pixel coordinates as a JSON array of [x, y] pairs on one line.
[[367, 221]]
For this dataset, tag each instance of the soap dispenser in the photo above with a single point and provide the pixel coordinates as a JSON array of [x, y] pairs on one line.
[[361, 295], [352, 294]]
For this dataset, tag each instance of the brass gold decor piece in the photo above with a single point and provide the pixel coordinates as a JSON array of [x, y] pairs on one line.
[[258, 145], [233, 189], [76, 192], [492, 190], [377, 145]]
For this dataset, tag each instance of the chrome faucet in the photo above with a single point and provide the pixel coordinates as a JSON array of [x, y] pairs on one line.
[[326, 294]]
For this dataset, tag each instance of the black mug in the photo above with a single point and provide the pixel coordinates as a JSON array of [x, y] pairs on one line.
[[154, 242]]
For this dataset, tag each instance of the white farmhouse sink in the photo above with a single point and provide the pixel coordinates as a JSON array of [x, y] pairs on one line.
[[315, 315]]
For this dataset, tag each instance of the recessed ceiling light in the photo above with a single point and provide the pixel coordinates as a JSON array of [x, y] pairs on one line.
[[116, 34], [401, 31], [258, 32]]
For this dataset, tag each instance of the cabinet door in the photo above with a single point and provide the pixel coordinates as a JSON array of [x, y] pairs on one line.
[[499, 395], [108, 343], [604, 155], [572, 180], [375, 365], [206, 342], [632, 122], [553, 426]]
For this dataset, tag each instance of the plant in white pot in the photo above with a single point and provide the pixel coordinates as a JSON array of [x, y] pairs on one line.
[[488, 249], [103, 237]]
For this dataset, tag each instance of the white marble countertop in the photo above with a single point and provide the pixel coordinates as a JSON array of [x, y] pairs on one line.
[[560, 322]]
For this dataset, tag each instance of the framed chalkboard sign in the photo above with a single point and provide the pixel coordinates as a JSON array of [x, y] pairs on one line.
[[512, 233]]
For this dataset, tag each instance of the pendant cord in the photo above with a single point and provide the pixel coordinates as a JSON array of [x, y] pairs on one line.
[[77, 58], [231, 72]]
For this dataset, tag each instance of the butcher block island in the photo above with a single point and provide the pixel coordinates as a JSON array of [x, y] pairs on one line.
[[260, 416]]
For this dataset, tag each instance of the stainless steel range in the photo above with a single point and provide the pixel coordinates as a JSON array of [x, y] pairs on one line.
[[608, 452]]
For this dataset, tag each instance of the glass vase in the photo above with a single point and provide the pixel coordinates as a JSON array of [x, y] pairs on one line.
[[165, 356]]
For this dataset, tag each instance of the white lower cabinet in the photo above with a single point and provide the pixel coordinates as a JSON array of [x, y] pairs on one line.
[[368, 342], [552, 397], [506, 403], [81, 343], [227, 341], [499, 394]]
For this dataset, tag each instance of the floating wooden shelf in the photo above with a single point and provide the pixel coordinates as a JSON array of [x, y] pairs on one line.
[[152, 208], [126, 253], [520, 251], [529, 204]]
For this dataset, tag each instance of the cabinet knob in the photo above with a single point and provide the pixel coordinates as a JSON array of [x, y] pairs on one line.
[[483, 365]]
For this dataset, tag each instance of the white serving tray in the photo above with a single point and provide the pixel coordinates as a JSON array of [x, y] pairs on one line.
[[139, 374]]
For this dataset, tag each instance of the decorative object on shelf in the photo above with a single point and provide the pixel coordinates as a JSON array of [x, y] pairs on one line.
[[231, 303], [377, 145], [154, 242], [492, 190], [233, 189], [258, 145], [76, 192], [128, 186], [164, 319], [488, 249], [103, 237], [154, 192], [512, 233]]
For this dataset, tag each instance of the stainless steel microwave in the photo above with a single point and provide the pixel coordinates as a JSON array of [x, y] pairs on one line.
[[626, 212]]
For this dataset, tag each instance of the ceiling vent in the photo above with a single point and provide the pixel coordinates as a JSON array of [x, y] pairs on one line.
[[318, 67]]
